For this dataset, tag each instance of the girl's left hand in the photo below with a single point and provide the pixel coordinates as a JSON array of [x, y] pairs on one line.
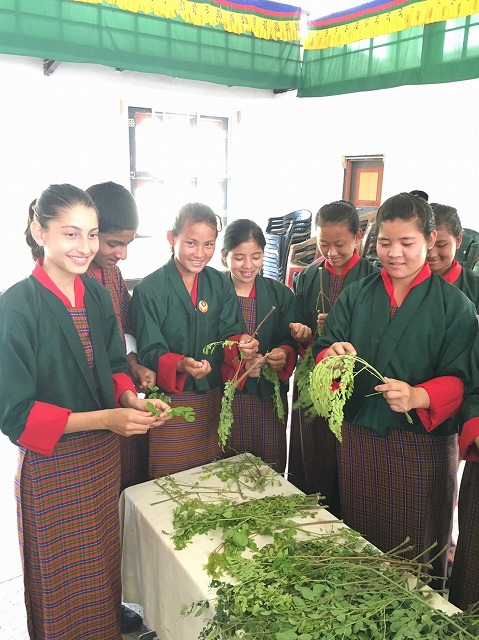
[[129, 399], [276, 358], [401, 397], [253, 365], [248, 346]]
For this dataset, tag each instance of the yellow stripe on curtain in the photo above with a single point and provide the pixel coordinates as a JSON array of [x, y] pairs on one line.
[[419, 13], [202, 15]]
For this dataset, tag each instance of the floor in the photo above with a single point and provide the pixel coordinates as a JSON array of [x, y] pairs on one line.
[[13, 625]]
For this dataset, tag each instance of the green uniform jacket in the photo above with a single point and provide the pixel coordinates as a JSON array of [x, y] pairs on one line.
[[468, 283], [431, 335], [308, 302], [43, 359], [274, 332], [166, 321]]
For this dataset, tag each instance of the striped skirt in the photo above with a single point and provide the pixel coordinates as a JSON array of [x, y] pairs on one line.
[[464, 587], [400, 486], [68, 523], [258, 429], [177, 445], [313, 459]]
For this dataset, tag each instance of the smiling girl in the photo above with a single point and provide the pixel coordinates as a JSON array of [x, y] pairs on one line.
[[257, 427], [313, 465], [441, 256], [397, 479], [64, 398], [176, 311]]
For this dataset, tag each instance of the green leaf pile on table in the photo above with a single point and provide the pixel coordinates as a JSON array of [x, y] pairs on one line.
[[324, 586]]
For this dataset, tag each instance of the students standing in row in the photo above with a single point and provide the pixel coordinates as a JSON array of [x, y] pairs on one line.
[[177, 311], [65, 398], [267, 310], [398, 479], [313, 465]]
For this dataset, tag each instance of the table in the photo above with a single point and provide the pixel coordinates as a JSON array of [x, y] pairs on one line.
[[163, 579]]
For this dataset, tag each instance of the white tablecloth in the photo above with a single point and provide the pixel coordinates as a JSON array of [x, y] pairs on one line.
[[162, 579]]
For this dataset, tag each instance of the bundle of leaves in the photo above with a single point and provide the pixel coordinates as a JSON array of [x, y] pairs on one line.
[[302, 376], [332, 383], [231, 386]]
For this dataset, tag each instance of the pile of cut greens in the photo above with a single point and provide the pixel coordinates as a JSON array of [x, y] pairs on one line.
[[324, 586]]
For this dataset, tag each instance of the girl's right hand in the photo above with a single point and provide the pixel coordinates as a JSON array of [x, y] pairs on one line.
[[196, 368], [130, 422], [321, 318], [340, 349]]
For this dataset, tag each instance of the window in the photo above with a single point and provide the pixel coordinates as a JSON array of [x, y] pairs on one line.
[[175, 158]]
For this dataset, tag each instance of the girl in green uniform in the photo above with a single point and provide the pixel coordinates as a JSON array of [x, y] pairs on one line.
[[177, 311], [441, 256], [65, 400], [267, 310], [397, 479], [313, 466], [464, 584]]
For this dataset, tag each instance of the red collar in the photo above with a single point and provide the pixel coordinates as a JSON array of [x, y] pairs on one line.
[[454, 272], [43, 278], [354, 259], [424, 274], [194, 290]]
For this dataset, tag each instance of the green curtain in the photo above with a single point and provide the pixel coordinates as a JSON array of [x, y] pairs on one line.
[[76, 32], [433, 53]]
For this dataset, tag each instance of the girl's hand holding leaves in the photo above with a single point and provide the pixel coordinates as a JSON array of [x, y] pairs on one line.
[[183, 412], [154, 393]]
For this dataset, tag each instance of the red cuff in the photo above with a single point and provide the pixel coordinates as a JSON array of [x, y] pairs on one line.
[[445, 395], [231, 369], [121, 383], [231, 354], [167, 377], [467, 446], [44, 428], [291, 358], [321, 355]]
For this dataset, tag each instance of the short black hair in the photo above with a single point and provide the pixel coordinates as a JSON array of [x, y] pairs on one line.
[[116, 206]]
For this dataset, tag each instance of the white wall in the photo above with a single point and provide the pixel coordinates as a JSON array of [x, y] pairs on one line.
[[286, 152]]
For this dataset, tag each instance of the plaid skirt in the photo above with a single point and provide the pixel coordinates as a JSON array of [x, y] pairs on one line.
[[257, 429], [177, 445], [134, 460], [464, 587], [400, 486], [68, 523]]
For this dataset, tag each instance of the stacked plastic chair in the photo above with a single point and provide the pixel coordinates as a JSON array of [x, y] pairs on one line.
[[281, 232]]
